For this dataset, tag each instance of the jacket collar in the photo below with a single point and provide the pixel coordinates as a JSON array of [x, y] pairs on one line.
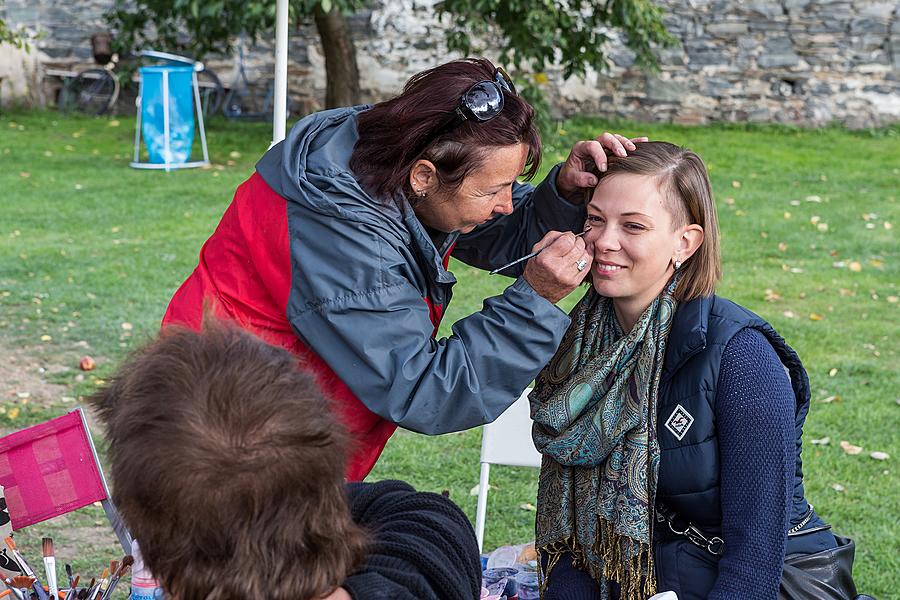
[[424, 245], [688, 334]]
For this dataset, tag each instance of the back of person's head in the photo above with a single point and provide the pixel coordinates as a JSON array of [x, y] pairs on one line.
[[684, 182], [396, 133], [228, 467]]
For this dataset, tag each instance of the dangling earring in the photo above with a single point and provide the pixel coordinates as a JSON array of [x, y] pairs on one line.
[[677, 264], [422, 194]]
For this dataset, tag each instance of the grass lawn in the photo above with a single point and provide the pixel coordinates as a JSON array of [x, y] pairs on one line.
[[91, 251]]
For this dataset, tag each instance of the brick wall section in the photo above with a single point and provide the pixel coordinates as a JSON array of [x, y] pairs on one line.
[[807, 62]]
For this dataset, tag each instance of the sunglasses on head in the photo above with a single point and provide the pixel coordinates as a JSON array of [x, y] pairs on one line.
[[481, 102]]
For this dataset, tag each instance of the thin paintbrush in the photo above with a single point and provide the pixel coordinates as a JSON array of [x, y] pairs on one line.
[[72, 593], [127, 561], [527, 256], [50, 567], [70, 575], [38, 588]]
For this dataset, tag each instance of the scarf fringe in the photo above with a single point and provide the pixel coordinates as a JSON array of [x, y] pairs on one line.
[[554, 551], [626, 561]]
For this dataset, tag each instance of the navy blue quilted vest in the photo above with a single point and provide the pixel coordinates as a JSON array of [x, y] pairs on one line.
[[686, 429], [689, 466]]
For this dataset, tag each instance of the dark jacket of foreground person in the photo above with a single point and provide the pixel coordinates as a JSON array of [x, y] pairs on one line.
[[423, 546]]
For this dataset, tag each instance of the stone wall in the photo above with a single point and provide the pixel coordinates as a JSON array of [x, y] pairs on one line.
[[793, 61]]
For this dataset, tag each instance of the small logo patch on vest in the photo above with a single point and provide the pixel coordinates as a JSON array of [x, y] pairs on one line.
[[679, 421]]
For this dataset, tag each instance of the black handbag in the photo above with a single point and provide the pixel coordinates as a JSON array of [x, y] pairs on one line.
[[825, 575]]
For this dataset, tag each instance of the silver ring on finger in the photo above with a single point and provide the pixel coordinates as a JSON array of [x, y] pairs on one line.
[[581, 264]]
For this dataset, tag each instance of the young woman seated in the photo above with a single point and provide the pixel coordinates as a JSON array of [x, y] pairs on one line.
[[667, 407]]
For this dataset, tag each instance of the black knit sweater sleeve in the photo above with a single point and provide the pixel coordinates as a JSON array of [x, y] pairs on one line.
[[755, 417], [423, 546]]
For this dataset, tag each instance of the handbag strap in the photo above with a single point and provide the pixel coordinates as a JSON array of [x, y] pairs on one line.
[[712, 544]]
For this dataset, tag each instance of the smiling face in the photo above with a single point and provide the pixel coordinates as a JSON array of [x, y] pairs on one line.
[[634, 242], [485, 193]]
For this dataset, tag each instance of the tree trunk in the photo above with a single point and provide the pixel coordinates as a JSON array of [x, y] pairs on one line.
[[341, 74]]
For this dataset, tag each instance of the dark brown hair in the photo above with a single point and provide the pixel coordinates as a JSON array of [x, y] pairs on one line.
[[684, 182], [228, 466], [396, 133]]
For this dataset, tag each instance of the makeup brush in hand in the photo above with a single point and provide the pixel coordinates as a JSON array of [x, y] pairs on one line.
[[50, 568]]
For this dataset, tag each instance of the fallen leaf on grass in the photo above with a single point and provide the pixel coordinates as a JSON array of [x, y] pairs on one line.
[[813, 199], [887, 225], [87, 363], [46, 338], [815, 317], [879, 455], [832, 372], [820, 441], [782, 246], [830, 399], [528, 506], [772, 295], [24, 174], [475, 490], [789, 314], [838, 487], [849, 448], [735, 184], [893, 299], [13, 412], [787, 215], [877, 263], [127, 326], [822, 227], [855, 266]]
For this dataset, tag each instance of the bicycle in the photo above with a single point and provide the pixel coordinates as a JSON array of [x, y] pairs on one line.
[[243, 102], [92, 91]]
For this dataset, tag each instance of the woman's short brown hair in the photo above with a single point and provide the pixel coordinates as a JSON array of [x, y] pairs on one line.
[[228, 465], [396, 133], [684, 182]]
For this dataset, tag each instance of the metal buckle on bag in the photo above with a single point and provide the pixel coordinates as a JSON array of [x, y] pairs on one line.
[[714, 545]]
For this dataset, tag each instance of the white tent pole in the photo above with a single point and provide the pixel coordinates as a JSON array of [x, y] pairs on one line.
[[279, 112]]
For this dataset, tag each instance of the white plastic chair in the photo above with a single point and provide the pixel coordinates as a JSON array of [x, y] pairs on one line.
[[506, 441]]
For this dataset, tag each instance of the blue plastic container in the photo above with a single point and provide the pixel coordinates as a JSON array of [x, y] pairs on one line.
[[172, 86]]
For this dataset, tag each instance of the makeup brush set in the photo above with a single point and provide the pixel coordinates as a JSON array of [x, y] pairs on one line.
[[23, 583]]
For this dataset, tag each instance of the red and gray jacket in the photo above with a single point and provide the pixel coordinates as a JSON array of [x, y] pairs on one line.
[[355, 288]]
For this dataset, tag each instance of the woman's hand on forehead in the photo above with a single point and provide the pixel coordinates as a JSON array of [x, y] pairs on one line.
[[587, 160]]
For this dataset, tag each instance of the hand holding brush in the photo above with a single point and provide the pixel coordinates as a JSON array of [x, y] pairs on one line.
[[527, 256]]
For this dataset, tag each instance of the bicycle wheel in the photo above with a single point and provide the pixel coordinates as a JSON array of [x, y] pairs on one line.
[[211, 92], [94, 91]]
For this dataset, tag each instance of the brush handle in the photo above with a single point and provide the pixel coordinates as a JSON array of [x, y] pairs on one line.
[[50, 569]]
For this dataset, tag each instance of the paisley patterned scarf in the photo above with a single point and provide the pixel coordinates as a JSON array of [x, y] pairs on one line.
[[594, 411]]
